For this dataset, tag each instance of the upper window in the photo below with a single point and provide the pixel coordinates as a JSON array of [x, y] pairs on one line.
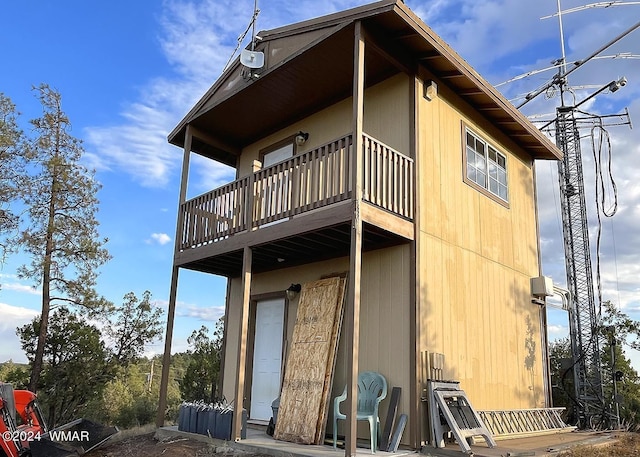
[[486, 167]]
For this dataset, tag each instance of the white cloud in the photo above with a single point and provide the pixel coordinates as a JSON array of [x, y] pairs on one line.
[[210, 175], [206, 314], [557, 331], [197, 38], [159, 238], [12, 318], [16, 287]]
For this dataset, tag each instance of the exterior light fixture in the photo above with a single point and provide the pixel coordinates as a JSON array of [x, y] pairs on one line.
[[293, 291], [430, 90], [301, 137]]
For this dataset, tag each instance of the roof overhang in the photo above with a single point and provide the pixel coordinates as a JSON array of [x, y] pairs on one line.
[[320, 72]]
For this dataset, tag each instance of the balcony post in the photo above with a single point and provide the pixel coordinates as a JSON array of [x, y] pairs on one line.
[[166, 358], [352, 313], [251, 193], [416, 385], [241, 367]]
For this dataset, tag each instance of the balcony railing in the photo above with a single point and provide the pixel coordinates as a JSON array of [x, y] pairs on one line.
[[305, 182]]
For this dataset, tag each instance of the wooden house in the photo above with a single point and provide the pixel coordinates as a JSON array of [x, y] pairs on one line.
[[366, 147]]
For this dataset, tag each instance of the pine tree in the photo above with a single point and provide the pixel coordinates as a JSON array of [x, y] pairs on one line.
[[61, 235], [11, 169]]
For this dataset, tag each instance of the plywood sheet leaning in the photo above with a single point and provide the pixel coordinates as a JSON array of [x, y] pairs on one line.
[[331, 364], [310, 361]]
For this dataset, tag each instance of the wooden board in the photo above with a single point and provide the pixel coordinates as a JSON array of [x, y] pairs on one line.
[[304, 391], [331, 364], [391, 419], [397, 434]]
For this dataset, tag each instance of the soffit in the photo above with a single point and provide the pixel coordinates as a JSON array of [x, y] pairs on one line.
[[315, 70]]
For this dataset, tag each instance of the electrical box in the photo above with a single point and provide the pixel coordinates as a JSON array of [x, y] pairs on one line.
[[542, 286]]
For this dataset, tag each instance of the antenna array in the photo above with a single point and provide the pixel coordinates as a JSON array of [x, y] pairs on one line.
[[585, 334]]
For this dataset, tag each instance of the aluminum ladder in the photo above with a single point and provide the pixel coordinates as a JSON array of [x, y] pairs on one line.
[[451, 411], [525, 422]]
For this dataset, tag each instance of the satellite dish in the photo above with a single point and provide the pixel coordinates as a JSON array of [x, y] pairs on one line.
[[252, 59]]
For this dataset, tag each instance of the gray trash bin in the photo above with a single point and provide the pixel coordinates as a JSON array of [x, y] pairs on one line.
[[275, 405]]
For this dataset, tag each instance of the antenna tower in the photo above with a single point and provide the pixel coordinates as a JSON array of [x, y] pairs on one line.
[[586, 339]]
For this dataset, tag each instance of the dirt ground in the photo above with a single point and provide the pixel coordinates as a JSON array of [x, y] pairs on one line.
[[147, 446], [626, 445]]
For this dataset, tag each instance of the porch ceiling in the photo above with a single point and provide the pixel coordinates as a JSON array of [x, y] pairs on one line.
[[323, 244], [322, 74]]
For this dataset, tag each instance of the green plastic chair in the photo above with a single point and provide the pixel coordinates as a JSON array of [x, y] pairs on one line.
[[372, 389]]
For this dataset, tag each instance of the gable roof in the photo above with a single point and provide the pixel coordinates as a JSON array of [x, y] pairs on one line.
[[309, 66]]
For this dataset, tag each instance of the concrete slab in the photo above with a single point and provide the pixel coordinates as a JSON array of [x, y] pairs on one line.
[[539, 446], [258, 442]]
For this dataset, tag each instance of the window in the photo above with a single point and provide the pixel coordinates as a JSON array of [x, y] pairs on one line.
[[486, 167]]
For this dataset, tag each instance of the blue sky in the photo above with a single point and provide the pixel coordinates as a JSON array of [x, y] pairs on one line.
[[129, 71]]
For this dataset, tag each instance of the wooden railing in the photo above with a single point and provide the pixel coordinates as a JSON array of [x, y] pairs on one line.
[[305, 182], [388, 178], [215, 215], [302, 183]]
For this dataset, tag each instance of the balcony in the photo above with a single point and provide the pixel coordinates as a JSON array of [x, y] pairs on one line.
[[303, 200]]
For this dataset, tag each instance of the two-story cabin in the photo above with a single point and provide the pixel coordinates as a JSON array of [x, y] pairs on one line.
[[366, 146]]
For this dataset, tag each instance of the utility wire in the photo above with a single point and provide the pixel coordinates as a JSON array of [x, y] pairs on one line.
[[251, 25], [600, 140]]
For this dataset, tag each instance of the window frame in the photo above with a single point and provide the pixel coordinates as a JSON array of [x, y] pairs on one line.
[[277, 145], [488, 179]]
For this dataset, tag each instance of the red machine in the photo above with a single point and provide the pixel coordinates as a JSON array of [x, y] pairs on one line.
[[15, 438], [23, 431]]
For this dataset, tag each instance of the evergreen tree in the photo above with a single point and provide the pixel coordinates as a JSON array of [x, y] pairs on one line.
[[201, 376], [11, 170], [137, 323], [76, 367], [617, 330], [14, 374], [61, 235]]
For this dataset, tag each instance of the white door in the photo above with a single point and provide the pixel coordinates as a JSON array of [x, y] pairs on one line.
[[267, 357], [276, 192]]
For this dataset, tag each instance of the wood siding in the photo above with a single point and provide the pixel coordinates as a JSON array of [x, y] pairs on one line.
[[384, 321], [476, 258], [386, 118]]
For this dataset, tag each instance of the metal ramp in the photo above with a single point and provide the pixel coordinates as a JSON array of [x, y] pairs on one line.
[[525, 422], [449, 406]]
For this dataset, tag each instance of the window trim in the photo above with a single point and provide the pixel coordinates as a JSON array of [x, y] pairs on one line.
[[483, 190], [277, 145]]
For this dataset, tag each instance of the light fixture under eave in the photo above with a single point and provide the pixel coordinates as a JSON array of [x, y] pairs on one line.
[[301, 137], [293, 291]]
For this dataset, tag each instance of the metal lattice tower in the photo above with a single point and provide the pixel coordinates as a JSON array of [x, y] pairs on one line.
[[583, 319]]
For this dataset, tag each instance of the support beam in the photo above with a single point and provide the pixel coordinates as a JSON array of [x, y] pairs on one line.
[[415, 385], [352, 312], [166, 358], [242, 344]]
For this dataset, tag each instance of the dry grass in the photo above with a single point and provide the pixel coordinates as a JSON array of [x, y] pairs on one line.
[[626, 445]]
